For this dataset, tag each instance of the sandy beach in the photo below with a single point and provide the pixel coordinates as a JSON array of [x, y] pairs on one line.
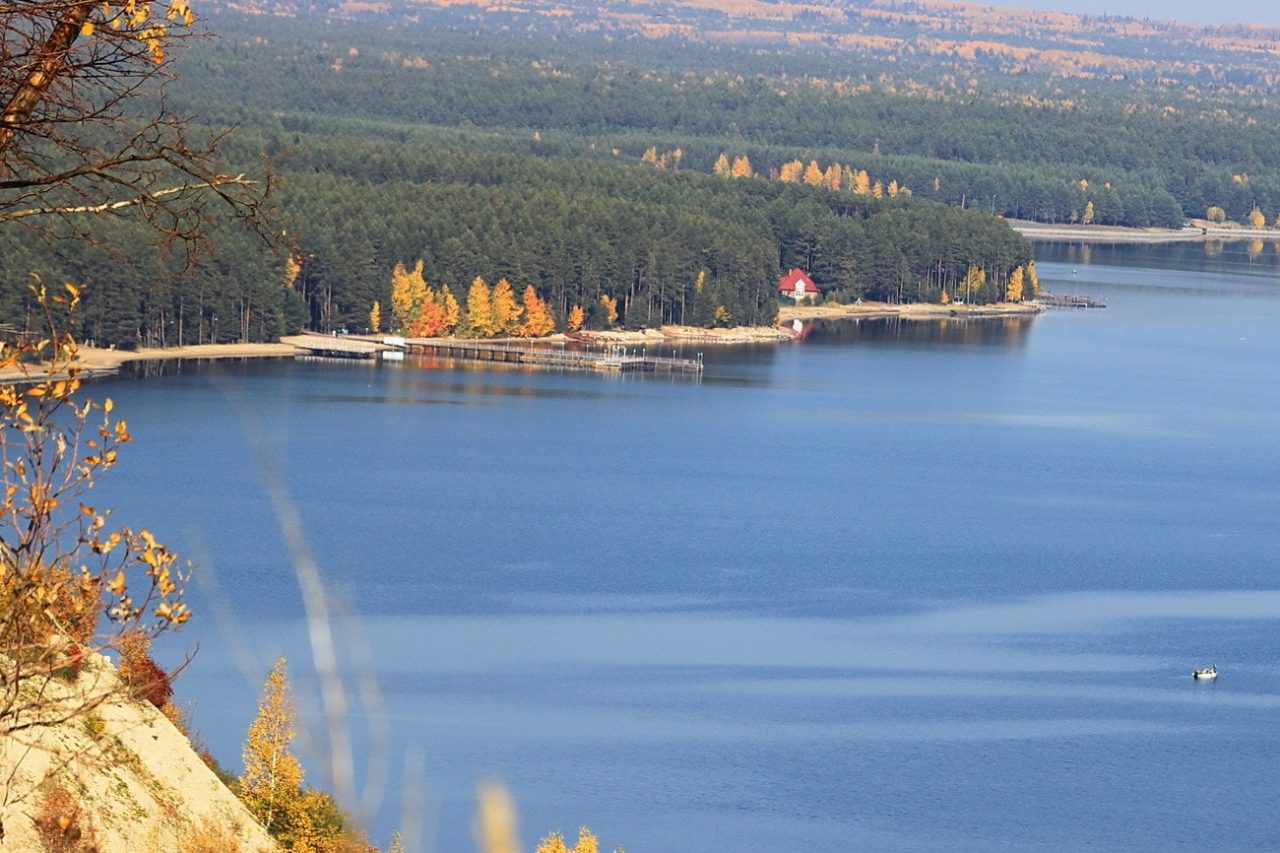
[[910, 311], [93, 361], [1197, 231]]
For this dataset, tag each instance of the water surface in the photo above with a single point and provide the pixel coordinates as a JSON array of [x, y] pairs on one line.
[[897, 587]]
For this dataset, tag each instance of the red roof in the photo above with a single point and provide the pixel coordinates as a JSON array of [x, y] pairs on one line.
[[797, 281]]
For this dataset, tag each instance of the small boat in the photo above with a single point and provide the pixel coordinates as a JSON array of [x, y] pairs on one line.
[[1209, 673]]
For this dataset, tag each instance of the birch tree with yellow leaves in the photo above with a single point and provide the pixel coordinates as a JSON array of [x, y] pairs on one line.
[[504, 308], [480, 321]]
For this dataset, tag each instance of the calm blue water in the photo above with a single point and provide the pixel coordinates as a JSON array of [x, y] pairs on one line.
[[899, 587]]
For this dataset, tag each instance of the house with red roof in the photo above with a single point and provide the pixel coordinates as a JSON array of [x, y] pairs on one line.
[[798, 286]]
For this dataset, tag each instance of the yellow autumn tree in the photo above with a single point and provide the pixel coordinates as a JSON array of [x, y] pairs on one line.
[[1257, 219], [1216, 214], [944, 298], [610, 306], [375, 317], [479, 322], [408, 292], [575, 319], [1013, 289], [452, 312], [741, 167], [272, 782], [721, 167], [70, 586], [791, 172], [877, 189], [893, 189], [650, 156], [813, 174], [862, 183], [537, 316], [1031, 281], [974, 278], [506, 310], [554, 843], [1087, 218], [834, 176], [303, 820]]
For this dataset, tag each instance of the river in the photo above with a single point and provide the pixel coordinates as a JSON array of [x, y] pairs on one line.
[[896, 587]]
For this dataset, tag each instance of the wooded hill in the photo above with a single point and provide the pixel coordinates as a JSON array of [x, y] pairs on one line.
[[575, 152]]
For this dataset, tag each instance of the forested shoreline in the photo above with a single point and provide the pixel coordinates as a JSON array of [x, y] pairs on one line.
[[589, 170]]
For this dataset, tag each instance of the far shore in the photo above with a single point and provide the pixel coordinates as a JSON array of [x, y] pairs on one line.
[[1199, 230]]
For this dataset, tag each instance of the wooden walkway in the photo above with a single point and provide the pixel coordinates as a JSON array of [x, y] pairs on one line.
[[330, 346], [613, 359], [1068, 300]]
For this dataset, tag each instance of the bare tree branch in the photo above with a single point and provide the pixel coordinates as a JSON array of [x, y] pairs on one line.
[[129, 202]]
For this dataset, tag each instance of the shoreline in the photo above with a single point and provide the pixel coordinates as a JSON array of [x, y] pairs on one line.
[[1198, 231], [97, 362], [908, 311]]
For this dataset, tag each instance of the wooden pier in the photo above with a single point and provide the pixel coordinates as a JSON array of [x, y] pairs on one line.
[[334, 346], [1068, 300], [612, 359]]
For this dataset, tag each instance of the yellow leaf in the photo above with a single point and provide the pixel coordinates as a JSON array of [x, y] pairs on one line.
[[86, 30], [116, 584]]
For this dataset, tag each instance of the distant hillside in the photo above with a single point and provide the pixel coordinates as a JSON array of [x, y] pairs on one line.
[[1239, 58]]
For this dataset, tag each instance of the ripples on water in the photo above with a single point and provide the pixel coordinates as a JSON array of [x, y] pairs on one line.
[[898, 587]]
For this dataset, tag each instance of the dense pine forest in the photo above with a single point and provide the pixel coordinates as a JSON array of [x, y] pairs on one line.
[[674, 175]]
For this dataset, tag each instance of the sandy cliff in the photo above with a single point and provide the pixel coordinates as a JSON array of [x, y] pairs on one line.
[[120, 777]]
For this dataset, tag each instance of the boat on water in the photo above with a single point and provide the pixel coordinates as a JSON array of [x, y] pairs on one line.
[[1209, 673]]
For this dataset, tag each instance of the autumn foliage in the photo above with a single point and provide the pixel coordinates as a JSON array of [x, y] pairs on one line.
[[302, 819], [420, 310], [69, 585]]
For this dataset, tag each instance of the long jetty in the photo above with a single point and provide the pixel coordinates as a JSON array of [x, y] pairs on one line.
[[613, 359], [1068, 300]]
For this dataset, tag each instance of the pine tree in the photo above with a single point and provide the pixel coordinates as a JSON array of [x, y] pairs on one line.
[[272, 782], [375, 318], [575, 319], [721, 167], [741, 167], [479, 310], [506, 311]]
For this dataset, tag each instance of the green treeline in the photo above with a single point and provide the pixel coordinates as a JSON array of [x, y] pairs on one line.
[[356, 202], [1146, 163]]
